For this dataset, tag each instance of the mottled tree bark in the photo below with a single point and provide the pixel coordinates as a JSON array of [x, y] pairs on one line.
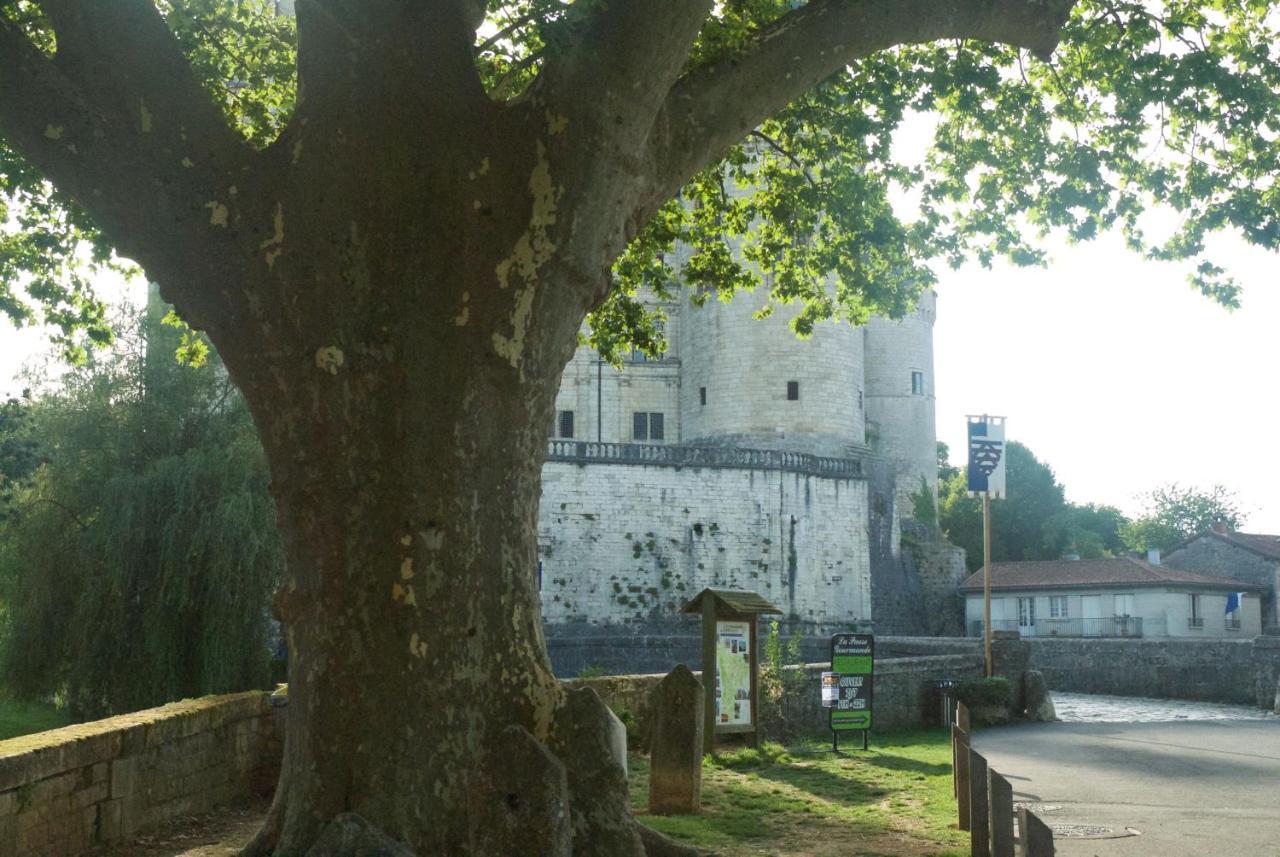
[[396, 285]]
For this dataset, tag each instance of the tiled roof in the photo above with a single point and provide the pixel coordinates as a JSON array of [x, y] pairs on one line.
[[1079, 573], [1268, 546], [735, 599]]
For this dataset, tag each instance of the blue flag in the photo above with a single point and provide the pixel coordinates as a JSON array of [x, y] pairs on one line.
[[1234, 600]]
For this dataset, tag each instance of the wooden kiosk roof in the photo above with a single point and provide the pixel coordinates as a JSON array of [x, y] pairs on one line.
[[736, 600]]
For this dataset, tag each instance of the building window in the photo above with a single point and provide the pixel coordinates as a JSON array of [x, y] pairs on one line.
[[1058, 607], [564, 427], [1124, 605], [917, 382], [702, 396], [793, 391], [647, 426], [1026, 613], [1196, 619]]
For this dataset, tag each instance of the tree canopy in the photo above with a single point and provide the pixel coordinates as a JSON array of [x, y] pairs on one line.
[[1035, 522], [1173, 513], [138, 548], [1144, 105]]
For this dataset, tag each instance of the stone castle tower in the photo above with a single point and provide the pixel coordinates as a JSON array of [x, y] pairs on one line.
[[744, 458]]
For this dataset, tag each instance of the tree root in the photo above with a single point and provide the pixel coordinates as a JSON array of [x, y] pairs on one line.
[[659, 845], [264, 841]]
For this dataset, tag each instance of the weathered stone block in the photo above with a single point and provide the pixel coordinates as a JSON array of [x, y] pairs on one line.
[[349, 835], [124, 776], [109, 827], [1039, 703], [520, 800], [675, 745]]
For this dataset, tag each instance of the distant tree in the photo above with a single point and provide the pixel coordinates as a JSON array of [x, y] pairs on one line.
[[140, 549], [1172, 514], [1035, 522]]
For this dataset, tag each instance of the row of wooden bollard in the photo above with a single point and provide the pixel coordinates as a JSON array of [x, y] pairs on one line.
[[984, 801]]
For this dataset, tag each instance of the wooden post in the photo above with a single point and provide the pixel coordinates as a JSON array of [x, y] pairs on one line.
[[979, 824], [961, 743], [986, 581], [709, 676], [754, 654], [962, 717], [1000, 813], [1034, 835]]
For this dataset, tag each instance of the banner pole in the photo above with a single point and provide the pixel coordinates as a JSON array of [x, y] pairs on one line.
[[986, 581]]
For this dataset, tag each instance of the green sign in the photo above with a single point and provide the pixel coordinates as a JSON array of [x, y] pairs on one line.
[[853, 662]]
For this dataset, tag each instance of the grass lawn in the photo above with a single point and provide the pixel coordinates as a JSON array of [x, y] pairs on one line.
[[23, 718], [894, 799]]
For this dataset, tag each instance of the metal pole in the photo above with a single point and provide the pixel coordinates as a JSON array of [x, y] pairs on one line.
[[600, 400], [986, 581]]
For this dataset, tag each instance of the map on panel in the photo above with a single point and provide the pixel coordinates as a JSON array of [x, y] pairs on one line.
[[733, 673]]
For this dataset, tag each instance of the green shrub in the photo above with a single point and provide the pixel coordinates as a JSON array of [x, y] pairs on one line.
[[984, 692], [592, 671], [769, 753]]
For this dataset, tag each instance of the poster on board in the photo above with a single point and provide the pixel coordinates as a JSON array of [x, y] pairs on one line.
[[733, 673], [853, 662]]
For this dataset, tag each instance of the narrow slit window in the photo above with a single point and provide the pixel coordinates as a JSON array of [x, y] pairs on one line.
[[566, 424], [917, 383], [793, 391], [702, 396]]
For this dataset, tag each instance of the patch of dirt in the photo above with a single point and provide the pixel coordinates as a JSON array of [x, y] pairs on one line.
[[217, 834]]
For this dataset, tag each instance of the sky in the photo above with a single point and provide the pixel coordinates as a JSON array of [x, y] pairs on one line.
[[1118, 375]]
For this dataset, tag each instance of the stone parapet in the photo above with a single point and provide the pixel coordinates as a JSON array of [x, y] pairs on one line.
[[67, 791]]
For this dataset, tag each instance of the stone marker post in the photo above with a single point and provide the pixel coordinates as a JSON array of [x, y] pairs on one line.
[[675, 746], [979, 838], [960, 746], [1000, 813], [1034, 835]]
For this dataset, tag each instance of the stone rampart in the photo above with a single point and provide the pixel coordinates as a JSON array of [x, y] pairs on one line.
[[67, 791], [1238, 671], [904, 694]]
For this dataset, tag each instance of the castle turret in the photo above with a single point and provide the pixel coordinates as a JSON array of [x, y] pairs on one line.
[[750, 382], [900, 397]]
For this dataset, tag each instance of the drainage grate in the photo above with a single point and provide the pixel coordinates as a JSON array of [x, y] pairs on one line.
[[1037, 808], [1084, 831]]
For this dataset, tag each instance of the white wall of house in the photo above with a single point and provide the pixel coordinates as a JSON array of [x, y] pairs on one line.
[[1165, 612]]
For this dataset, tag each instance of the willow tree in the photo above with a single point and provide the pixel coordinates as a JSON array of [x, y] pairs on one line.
[[395, 267]]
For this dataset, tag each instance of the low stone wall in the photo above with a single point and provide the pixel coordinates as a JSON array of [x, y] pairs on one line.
[[1238, 671], [67, 791], [904, 694]]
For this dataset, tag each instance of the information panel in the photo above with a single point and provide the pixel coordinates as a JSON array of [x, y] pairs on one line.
[[852, 663], [733, 674]]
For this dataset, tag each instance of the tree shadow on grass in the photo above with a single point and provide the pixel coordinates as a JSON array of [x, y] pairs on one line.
[[825, 784], [902, 763]]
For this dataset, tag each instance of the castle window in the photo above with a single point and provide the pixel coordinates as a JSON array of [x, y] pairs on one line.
[[859, 399], [565, 427], [917, 382], [793, 391], [702, 396], [647, 426]]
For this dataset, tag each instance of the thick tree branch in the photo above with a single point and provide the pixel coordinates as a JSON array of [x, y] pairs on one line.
[[624, 60], [117, 121], [712, 108]]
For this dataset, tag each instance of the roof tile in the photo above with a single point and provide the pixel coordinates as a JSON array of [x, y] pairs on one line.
[[1120, 571]]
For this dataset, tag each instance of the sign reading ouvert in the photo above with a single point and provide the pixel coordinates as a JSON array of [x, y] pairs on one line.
[[730, 663]]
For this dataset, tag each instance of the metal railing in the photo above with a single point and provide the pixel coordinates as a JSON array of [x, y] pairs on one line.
[[1107, 626], [1232, 623], [677, 455]]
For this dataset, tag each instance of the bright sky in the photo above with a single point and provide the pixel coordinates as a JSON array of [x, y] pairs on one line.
[[1118, 375]]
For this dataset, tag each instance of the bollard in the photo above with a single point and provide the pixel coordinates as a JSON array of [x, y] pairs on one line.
[[1034, 835], [979, 836], [960, 743], [1000, 814]]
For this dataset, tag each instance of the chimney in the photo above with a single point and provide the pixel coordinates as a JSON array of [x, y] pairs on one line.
[[1153, 556], [1219, 526]]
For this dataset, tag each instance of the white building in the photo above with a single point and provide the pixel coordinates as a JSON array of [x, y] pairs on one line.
[[1122, 597], [745, 458]]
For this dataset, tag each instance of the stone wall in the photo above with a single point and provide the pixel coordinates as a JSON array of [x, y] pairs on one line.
[[904, 694], [1212, 555], [630, 543], [1205, 670], [66, 791]]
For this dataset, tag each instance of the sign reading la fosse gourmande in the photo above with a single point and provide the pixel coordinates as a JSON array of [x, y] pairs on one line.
[[847, 688]]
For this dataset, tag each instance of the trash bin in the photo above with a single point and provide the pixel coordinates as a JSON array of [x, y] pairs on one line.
[[946, 688]]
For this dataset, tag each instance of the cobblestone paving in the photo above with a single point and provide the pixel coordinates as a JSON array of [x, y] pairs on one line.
[[1093, 708]]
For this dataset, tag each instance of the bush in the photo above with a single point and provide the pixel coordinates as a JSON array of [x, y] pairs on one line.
[[984, 692]]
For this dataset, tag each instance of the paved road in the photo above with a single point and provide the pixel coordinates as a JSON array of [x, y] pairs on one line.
[[1191, 789]]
